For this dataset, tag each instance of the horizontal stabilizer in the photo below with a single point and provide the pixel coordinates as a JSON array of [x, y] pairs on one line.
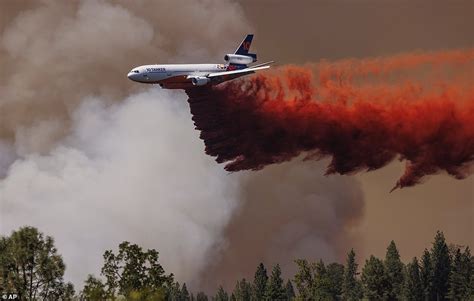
[[241, 71], [263, 64]]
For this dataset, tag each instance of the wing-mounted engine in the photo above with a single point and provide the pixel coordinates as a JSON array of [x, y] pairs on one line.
[[199, 80], [240, 59]]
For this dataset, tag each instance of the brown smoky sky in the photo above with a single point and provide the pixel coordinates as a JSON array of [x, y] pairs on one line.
[[308, 31]]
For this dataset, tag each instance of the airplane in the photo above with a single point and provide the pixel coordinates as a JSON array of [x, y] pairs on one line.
[[185, 76]]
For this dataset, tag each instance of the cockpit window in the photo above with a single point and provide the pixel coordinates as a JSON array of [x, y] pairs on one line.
[[135, 71]]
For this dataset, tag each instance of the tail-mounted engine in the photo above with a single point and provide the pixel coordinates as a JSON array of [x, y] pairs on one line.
[[240, 59]]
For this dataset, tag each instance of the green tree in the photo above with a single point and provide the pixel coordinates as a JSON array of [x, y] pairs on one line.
[[133, 269], [5, 263], [31, 266], [322, 283], [62, 292], [201, 296], [336, 277], [394, 272], [290, 292], [237, 294], [275, 290], [374, 279], [351, 287], [459, 278], [441, 263], [426, 276], [184, 293], [146, 294], [242, 290], [260, 282], [94, 290], [221, 295], [174, 292], [468, 266], [304, 279], [413, 288]]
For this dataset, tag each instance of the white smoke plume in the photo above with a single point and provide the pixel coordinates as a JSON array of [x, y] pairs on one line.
[[67, 153], [126, 172]]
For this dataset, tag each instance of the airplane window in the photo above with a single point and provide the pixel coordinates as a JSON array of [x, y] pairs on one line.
[[136, 71]]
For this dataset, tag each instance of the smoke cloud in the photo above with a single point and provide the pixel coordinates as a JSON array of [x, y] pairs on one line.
[[93, 159], [86, 164], [361, 124], [104, 183], [272, 224], [86, 48]]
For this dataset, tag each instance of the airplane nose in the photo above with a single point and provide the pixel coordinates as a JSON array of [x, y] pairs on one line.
[[136, 75], [132, 76]]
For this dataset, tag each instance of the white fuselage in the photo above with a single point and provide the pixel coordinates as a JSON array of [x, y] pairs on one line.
[[177, 76], [185, 76]]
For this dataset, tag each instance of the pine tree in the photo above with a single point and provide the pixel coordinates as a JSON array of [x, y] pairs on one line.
[[441, 263], [31, 267], [458, 282], [174, 293], [290, 292], [275, 290], [184, 296], [468, 265], [351, 287], [374, 279], [237, 293], [322, 283], [304, 279], [260, 282], [201, 297], [426, 275], [394, 272], [336, 277], [242, 290], [246, 289], [413, 288], [221, 295]]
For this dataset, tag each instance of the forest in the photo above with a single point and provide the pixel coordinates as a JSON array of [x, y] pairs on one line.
[[31, 268]]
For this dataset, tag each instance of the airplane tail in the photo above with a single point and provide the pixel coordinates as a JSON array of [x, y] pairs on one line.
[[241, 58], [244, 47]]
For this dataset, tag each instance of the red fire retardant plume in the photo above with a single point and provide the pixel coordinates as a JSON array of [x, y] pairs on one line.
[[360, 114]]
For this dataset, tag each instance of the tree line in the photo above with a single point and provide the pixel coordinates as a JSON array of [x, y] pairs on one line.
[[31, 267]]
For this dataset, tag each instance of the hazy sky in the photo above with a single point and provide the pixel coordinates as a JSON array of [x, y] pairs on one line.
[[308, 31]]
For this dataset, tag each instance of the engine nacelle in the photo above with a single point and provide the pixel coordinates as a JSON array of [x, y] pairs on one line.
[[239, 59], [200, 80]]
